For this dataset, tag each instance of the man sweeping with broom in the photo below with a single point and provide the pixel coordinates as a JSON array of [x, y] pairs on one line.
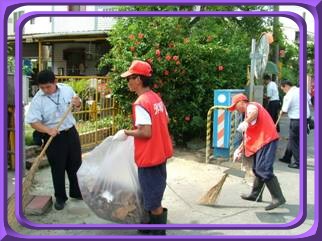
[[260, 141], [46, 110]]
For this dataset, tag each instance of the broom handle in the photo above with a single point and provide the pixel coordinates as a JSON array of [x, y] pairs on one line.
[[279, 117], [36, 162]]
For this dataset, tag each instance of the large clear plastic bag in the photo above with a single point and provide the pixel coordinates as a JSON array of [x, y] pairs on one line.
[[108, 180]]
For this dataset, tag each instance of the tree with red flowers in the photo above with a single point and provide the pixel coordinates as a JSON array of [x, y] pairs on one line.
[[185, 54]]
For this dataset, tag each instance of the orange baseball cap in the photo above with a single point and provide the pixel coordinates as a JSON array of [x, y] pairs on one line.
[[236, 99], [138, 67]]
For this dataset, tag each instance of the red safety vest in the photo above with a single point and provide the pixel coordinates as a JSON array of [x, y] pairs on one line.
[[157, 149], [261, 133]]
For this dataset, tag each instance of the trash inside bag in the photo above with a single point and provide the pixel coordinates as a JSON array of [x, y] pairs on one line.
[[108, 180]]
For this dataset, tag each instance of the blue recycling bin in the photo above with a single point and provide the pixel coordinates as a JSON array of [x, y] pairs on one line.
[[222, 122]]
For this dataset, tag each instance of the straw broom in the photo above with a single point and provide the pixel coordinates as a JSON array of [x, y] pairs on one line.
[[212, 195], [27, 183]]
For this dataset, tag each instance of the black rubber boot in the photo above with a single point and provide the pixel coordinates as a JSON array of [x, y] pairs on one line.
[[276, 192], [257, 191], [159, 219]]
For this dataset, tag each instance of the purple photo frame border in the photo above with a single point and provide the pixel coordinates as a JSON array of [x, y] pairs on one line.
[[25, 18], [19, 120]]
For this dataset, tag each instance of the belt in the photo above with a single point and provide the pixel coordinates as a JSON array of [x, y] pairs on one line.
[[67, 129]]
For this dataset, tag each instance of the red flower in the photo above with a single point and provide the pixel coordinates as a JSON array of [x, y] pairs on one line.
[[175, 57], [187, 118], [137, 42], [132, 48], [220, 68], [140, 35], [131, 36], [159, 94], [155, 86], [166, 72], [168, 57], [209, 38], [158, 52], [150, 61], [178, 62]]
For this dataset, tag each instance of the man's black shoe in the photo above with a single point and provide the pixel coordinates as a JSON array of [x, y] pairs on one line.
[[78, 198], [293, 165], [59, 205], [285, 161], [144, 231]]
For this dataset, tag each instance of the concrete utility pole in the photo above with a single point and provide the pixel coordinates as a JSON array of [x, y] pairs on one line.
[[275, 33]]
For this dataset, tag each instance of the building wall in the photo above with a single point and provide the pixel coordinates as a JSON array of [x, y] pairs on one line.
[[290, 27], [90, 59]]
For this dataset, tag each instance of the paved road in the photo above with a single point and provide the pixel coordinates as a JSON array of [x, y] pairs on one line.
[[188, 180]]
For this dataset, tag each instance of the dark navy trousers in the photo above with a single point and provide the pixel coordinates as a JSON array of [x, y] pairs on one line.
[[264, 161]]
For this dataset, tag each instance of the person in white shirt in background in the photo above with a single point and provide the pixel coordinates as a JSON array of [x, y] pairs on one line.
[[272, 95], [291, 106]]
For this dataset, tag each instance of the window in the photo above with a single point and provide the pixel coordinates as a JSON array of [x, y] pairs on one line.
[[75, 8]]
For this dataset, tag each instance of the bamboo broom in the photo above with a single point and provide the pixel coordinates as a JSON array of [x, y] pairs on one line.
[[27, 183]]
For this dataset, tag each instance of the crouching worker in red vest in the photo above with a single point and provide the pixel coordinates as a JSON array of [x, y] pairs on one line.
[[152, 142], [260, 141]]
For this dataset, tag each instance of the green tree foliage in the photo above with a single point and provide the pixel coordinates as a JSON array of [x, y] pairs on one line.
[[310, 57], [190, 58], [290, 62]]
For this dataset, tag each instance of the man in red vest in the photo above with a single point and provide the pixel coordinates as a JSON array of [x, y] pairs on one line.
[[260, 141], [152, 142]]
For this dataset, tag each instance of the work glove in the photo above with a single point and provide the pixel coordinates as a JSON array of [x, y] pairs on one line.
[[120, 136], [242, 127], [237, 155]]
